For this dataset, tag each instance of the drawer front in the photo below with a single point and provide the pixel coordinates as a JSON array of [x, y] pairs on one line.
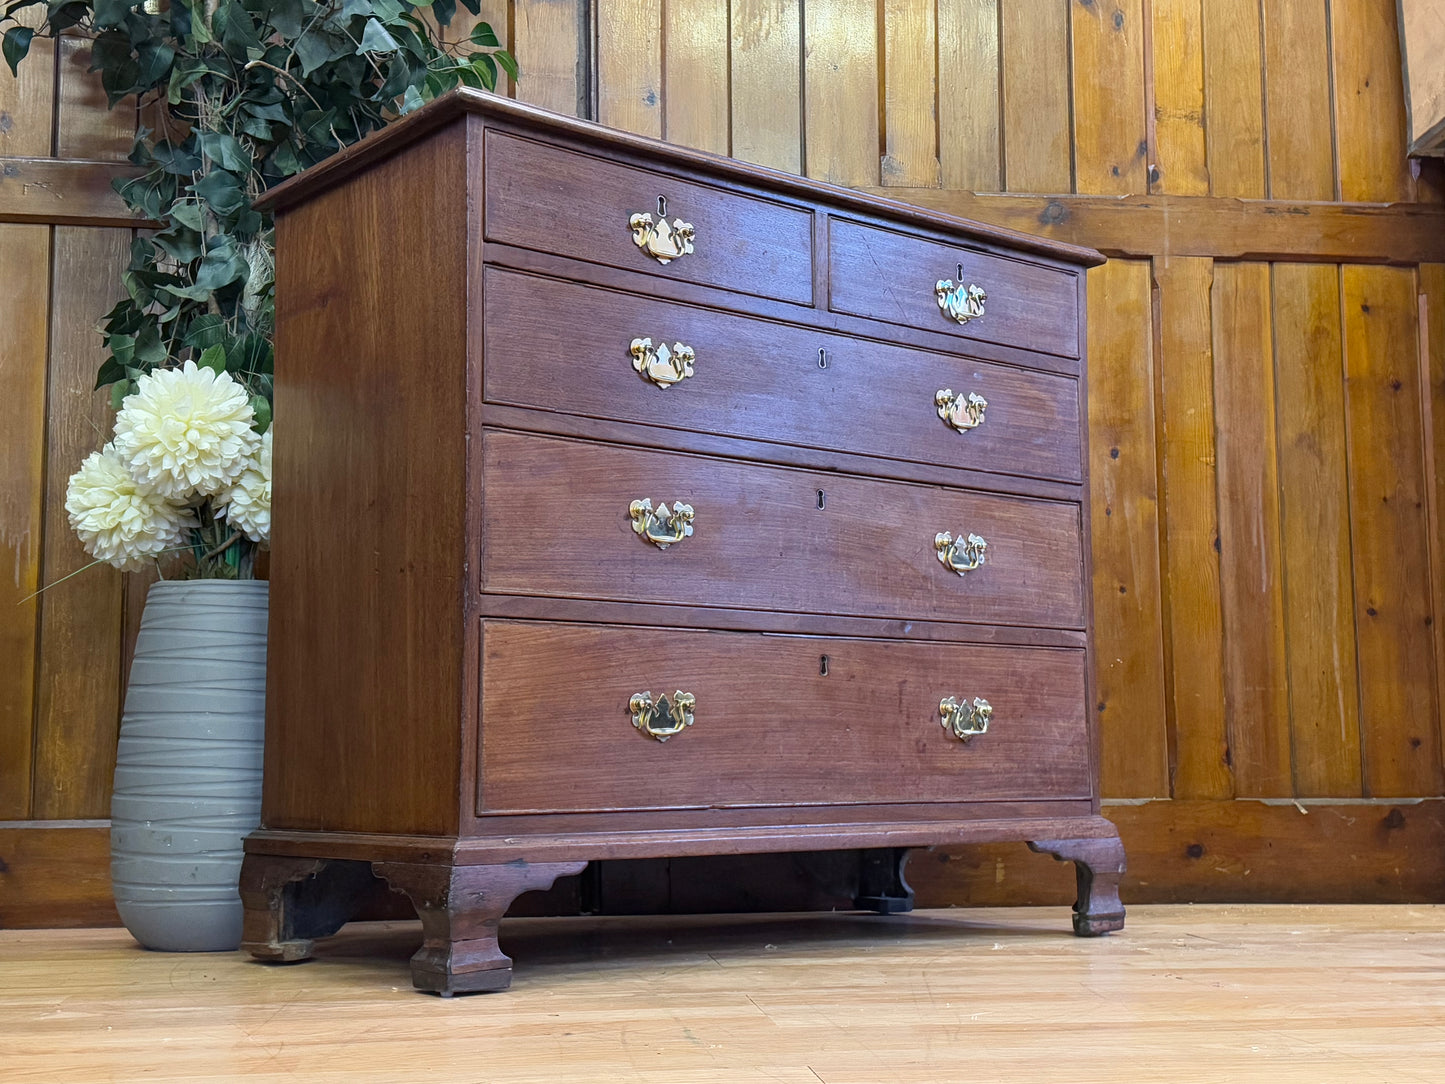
[[557, 523], [769, 727], [890, 276], [560, 346], [571, 204]]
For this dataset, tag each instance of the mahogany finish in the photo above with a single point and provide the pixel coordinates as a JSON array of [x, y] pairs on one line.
[[464, 616], [761, 541], [814, 378]]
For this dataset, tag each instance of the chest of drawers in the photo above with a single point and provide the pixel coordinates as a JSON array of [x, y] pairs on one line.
[[632, 502]]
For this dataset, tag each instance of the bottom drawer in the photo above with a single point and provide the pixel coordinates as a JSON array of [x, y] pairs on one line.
[[776, 720]]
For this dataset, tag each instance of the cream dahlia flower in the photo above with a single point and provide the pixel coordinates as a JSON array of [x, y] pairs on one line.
[[118, 520], [186, 432], [247, 504]]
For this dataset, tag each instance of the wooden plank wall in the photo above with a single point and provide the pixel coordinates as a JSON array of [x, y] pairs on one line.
[[1268, 378]]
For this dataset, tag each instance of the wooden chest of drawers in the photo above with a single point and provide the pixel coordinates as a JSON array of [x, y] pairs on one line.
[[633, 502]]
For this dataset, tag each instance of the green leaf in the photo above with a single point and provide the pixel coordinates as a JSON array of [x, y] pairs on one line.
[[262, 409], [206, 330], [213, 357], [15, 45], [486, 67], [222, 191], [118, 392], [412, 99], [225, 150], [187, 214], [474, 6], [483, 35], [376, 39], [181, 243], [508, 63], [110, 14], [156, 58], [221, 266], [110, 371]]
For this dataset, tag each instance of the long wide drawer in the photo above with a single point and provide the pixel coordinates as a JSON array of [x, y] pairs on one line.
[[774, 720], [561, 346], [894, 277], [562, 201], [559, 521]]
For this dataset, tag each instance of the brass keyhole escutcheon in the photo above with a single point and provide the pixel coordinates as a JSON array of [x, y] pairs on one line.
[[662, 718], [965, 720]]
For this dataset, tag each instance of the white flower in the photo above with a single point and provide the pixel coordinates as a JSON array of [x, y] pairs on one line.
[[118, 520], [186, 432], [247, 504]]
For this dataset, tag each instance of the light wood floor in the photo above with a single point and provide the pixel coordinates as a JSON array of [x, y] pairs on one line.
[[1197, 994]]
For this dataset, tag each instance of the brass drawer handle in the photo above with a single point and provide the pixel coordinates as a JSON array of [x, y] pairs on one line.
[[961, 412], [661, 718], [960, 554], [661, 526], [959, 300], [662, 240], [661, 365], [965, 720]]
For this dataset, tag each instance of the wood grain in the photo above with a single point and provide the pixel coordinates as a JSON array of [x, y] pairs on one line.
[[1128, 631], [1110, 136], [761, 542], [1431, 284], [969, 117], [78, 683], [1234, 98], [767, 83], [24, 311], [55, 874], [1190, 536], [1028, 305], [762, 380], [1251, 572], [1422, 35], [1034, 47], [629, 66], [371, 658], [1319, 611], [1369, 101], [756, 246], [1389, 527], [868, 731], [55, 192], [1297, 100], [1180, 156], [840, 86], [695, 74], [27, 102], [84, 126], [910, 93], [550, 42]]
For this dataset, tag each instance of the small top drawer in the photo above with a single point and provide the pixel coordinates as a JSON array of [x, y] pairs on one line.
[[561, 201], [890, 276]]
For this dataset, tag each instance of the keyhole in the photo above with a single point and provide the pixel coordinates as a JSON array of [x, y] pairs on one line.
[[822, 500], [823, 665], [662, 212], [822, 358], [960, 272]]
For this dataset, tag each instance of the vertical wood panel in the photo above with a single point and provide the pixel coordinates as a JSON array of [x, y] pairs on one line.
[[1128, 630], [85, 127], [1234, 98], [548, 37], [80, 619], [1034, 43], [27, 103], [1319, 609], [695, 74], [1297, 91], [629, 65], [841, 89], [1391, 561], [25, 256], [1110, 136], [1178, 54], [1432, 390], [1369, 101], [968, 102], [767, 88], [1256, 700], [1193, 623], [910, 121]]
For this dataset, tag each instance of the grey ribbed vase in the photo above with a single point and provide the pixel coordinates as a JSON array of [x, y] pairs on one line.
[[188, 768]]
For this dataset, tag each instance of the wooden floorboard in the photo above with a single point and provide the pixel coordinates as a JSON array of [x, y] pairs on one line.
[[1199, 994]]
